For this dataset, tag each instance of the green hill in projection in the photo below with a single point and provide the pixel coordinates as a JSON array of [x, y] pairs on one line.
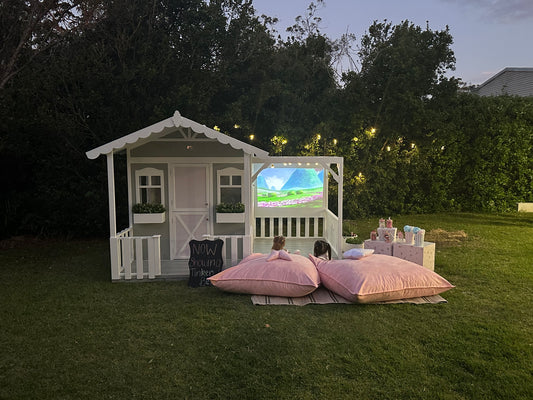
[[303, 178]]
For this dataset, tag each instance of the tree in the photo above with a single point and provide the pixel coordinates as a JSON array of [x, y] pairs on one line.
[[136, 62], [402, 69], [31, 27], [81, 73], [391, 109]]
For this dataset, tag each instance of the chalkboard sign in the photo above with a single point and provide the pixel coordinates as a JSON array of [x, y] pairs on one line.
[[205, 261]]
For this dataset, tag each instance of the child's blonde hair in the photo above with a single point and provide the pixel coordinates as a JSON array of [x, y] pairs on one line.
[[279, 243]]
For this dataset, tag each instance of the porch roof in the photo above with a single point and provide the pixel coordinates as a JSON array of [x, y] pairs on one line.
[[164, 127]]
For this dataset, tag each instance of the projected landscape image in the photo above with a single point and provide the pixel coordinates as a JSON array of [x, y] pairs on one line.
[[290, 187]]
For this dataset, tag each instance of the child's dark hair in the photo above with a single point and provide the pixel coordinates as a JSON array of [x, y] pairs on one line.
[[322, 247], [279, 243]]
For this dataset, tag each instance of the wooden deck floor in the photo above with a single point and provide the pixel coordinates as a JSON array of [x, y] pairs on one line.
[[179, 269]]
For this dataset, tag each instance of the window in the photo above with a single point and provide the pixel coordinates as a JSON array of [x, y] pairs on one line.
[[229, 185], [150, 188]]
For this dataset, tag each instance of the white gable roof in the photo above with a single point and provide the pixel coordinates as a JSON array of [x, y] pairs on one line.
[[162, 127]]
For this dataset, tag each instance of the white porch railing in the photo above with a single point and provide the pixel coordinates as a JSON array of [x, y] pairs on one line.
[[139, 257], [135, 256], [233, 249], [325, 225], [332, 226], [290, 227]]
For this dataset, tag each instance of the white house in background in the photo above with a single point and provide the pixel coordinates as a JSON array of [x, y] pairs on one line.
[[189, 169], [509, 81]]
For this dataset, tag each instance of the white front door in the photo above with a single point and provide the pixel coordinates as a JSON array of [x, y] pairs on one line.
[[189, 214]]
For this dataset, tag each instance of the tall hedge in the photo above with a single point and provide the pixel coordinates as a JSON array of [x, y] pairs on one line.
[[480, 158], [410, 142]]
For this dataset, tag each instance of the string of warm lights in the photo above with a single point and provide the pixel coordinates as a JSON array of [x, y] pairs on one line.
[[280, 141]]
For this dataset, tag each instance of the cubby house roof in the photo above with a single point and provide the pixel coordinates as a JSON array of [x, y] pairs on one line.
[[167, 126]]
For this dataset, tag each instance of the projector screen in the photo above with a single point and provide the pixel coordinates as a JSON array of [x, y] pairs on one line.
[[290, 187]]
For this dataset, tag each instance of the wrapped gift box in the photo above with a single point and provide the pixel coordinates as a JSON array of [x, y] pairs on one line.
[[387, 231], [422, 255], [379, 246]]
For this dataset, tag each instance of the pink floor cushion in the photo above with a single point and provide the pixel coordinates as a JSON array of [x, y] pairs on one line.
[[379, 278], [278, 277]]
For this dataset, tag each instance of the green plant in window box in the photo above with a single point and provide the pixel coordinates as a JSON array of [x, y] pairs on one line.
[[148, 208], [226, 208]]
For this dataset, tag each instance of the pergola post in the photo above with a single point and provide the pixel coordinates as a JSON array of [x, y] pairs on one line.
[[111, 194], [113, 241], [340, 186], [249, 210]]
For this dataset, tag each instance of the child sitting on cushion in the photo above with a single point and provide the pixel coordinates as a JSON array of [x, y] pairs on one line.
[[279, 244], [322, 250]]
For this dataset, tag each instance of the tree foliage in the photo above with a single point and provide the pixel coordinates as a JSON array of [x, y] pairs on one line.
[[29, 28], [79, 73]]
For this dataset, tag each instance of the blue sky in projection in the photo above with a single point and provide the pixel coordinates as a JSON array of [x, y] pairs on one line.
[[290, 178]]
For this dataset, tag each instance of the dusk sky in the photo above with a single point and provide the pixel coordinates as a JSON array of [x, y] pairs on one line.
[[489, 35]]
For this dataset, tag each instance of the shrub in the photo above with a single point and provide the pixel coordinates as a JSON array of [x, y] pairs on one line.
[[225, 208], [354, 240], [148, 208]]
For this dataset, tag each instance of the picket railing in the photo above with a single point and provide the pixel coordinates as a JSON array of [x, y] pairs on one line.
[[290, 227], [323, 225], [135, 256], [233, 249], [331, 229], [139, 257]]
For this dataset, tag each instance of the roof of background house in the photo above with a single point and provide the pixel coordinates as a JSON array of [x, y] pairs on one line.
[[511, 81]]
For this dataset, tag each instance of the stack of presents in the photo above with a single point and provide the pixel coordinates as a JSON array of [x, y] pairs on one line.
[[409, 245]]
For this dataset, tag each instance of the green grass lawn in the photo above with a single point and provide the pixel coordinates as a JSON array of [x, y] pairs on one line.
[[291, 198], [67, 332]]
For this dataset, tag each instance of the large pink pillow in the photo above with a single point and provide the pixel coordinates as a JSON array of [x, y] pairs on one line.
[[379, 278], [278, 277]]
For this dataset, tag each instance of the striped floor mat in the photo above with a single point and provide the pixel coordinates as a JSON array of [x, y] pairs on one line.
[[324, 296]]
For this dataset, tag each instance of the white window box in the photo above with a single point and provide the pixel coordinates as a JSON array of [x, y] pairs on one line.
[[230, 218], [154, 218]]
